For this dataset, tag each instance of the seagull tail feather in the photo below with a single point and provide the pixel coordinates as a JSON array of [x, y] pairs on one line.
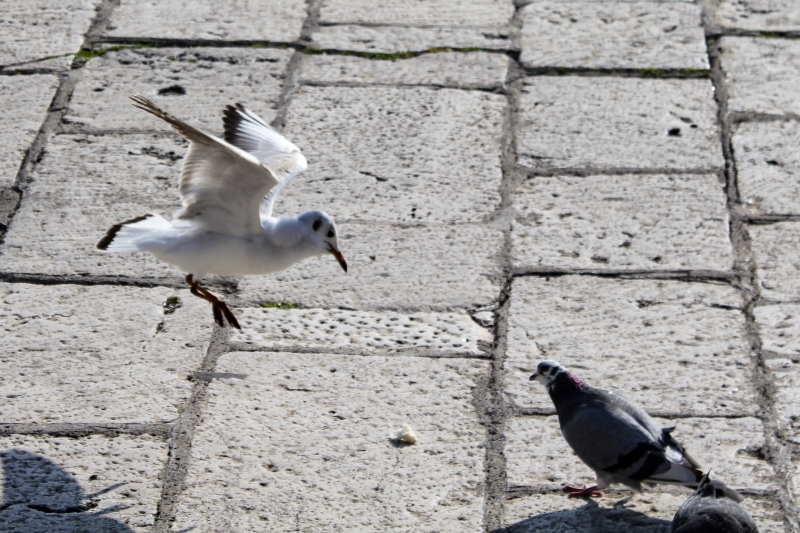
[[123, 237]]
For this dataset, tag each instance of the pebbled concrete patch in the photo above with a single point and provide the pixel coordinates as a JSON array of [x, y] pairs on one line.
[[73, 353], [186, 82], [304, 443], [206, 19], [473, 70], [411, 155], [39, 29], [779, 328], [47, 481], [415, 268], [786, 383], [766, 166], [618, 35], [759, 15], [29, 97], [651, 222], [362, 332], [777, 267], [761, 74], [674, 347], [597, 123]]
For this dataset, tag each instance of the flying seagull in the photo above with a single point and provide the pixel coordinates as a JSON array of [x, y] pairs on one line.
[[225, 227], [709, 511], [616, 438]]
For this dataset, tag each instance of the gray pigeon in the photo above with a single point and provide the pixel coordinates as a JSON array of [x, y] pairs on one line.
[[708, 511], [616, 438]]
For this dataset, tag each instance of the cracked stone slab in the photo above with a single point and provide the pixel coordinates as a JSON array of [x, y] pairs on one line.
[[766, 166], [777, 267], [473, 70], [83, 185], [650, 512], [413, 154], [628, 221], [203, 19], [362, 332], [186, 82], [759, 15], [618, 35], [671, 346], [419, 268], [395, 39], [29, 97], [303, 443], [761, 74], [94, 354], [41, 29], [786, 384], [45, 479], [597, 123]]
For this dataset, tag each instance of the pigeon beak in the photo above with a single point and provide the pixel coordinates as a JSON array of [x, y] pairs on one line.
[[338, 255], [534, 376]]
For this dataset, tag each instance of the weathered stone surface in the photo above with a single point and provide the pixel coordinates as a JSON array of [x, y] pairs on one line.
[[413, 154], [303, 443], [416, 268], [481, 70], [414, 13], [777, 266], [537, 454], [618, 35], [786, 382], [761, 74], [53, 64], [779, 328], [393, 39], [671, 346], [587, 122], [29, 97], [643, 222], [650, 512], [44, 479], [767, 164], [37, 29], [72, 353], [186, 82], [759, 15], [362, 332], [206, 19], [84, 185]]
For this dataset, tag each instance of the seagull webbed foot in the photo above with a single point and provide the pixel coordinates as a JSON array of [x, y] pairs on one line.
[[221, 311]]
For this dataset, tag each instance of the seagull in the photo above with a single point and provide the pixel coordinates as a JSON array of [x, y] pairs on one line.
[[225, 226], [616, 437]]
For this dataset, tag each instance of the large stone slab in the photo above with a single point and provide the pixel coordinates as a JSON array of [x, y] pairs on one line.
[[618, 35], [779, 329], [596, 123], [303, 443], [641, 222], [415, 268], [766, 167], [413, 13], [396, 39], [47, 480], [473, 70], [84, 185], [29, 96], [39, 29], [777, 264], [186, 82], [761, 74], [206, 19], [362, 332], [759, 15], [673, 347], [74, 353], [396, 154], [786, 384]]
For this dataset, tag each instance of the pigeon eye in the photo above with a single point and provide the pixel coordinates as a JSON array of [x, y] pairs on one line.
[[331, 234], [316, 225]]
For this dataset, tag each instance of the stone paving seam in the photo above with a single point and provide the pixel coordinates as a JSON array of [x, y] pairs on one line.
[[83, 429]]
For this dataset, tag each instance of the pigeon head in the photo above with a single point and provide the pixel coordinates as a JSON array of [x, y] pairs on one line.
[[548, 372], [323, 234]]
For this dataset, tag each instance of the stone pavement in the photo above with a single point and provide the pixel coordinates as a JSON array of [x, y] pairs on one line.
[[610, 184]]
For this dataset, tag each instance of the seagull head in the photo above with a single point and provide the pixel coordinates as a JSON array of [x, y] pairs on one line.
[[323, 234]]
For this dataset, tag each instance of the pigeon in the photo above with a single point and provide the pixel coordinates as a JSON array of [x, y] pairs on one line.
[[616, 438], [225, 227], [709, 511]]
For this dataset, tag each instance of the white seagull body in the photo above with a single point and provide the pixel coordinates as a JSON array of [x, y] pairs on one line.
[[225, 227]]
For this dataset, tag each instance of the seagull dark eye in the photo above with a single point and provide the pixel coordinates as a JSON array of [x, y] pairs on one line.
[[331, 234], [317, 223]]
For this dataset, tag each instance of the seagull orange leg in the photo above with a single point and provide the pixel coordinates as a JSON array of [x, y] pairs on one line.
[[219, 307], [582, 492]]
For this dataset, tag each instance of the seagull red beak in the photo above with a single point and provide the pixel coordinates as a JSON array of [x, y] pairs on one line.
[[338, 255]]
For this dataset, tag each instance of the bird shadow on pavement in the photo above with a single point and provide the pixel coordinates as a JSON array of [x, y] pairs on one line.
[[590, 518], [40, 497]]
